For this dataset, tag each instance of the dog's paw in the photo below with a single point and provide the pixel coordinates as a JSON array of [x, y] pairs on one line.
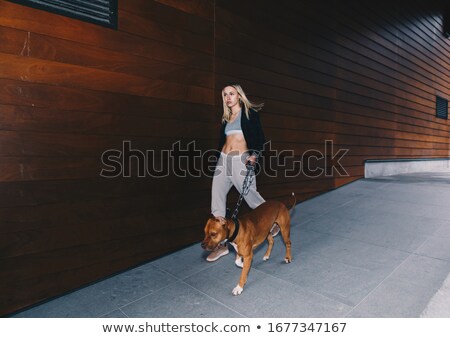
[[265, 258], [287, 260], [239, 262], [237, 290]]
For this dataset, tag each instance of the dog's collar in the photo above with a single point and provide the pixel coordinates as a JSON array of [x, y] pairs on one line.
[[235, 233], [236, 230]]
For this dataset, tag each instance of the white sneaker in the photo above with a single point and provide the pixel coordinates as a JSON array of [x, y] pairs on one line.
[[215, 255]]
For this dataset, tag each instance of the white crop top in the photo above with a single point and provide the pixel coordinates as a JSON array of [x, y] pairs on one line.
[[235, 126]]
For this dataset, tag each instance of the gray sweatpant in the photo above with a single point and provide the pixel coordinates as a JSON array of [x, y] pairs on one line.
[[231, 170]]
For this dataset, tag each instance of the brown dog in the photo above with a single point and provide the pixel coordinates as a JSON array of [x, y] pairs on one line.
[[252, 229]]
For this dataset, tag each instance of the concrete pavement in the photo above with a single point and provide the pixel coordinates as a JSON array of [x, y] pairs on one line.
[[376, 247]]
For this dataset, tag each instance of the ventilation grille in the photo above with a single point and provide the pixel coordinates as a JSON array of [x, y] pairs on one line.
[[441, 108], [101, 12]]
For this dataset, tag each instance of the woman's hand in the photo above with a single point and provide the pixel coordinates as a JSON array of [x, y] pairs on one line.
[[251, 159]]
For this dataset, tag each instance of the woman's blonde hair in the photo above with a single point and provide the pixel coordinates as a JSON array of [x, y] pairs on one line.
[[243, 100]]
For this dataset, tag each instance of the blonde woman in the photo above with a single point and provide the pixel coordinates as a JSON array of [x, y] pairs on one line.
[[241, 141]]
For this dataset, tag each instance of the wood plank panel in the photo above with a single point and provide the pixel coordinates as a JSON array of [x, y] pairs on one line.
[[81, 267], [24, 18], [19, 93], [307, 68], [37, 71], [184, 16], [147, 28], [201, 8], [71, 90], [333, 15], [325, 84], [147, 124], [48, 239], [328, 43], [345, 73], [64, 51]]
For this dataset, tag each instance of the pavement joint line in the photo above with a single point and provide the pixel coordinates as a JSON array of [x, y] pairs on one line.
[[117, 309], [303, 288], [177, 279], [362, 241], [146, 295], [216, 300], [333, 208], [123, 313], [379, 284]]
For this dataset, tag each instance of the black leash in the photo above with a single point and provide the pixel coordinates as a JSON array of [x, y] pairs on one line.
[[245, 188]]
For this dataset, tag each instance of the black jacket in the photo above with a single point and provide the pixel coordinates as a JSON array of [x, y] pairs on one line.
[[252, 130]]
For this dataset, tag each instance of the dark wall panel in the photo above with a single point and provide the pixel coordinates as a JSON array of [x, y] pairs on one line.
[[362, 74]]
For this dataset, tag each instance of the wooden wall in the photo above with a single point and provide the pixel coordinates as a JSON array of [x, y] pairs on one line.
[[363, 74], [70, 90], [360, 73]]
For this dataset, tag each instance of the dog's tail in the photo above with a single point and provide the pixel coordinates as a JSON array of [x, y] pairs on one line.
[[292, 206]]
